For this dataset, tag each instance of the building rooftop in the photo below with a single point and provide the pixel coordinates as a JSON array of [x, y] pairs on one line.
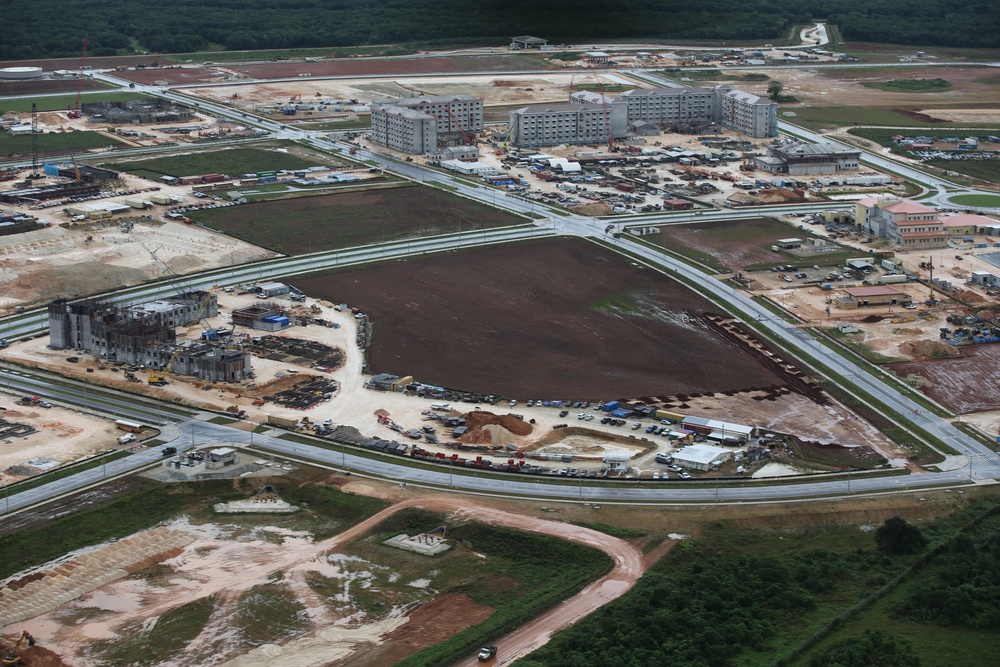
[[645, 92], [563, 106], [874, 290], [802, 149], [907, 206], [703, 454], [964, 219]]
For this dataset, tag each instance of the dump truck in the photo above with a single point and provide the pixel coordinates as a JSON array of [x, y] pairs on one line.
[[487, 653]]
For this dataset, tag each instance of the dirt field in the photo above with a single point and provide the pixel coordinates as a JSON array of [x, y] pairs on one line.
[[516, 89], [61, 436], [47, 87], [325, 222], [831, 86], [734, 243], [59, 262], [101, 593], [542, 320], [351, 67], [970, 383]]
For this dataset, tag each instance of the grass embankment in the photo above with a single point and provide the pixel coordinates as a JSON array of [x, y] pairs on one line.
[[55, 143], [827, 117], [135, 644], [987, 170], [234, 161], [712, 75], [64, 102], [910, 85], [521, 576]]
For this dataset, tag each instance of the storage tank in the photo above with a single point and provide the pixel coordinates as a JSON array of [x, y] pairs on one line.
[[20, 72]]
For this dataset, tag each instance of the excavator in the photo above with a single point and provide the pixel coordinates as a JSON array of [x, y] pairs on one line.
[[13, 656]]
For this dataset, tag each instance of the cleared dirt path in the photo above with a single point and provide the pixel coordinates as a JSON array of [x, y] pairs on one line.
[[629, 566]]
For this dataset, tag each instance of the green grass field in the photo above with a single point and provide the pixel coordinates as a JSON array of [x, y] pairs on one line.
[[232, 161], [55, 143], [978, 201], [910, 85], [828, 117], [987, 170], [63, 102], [326, 222]]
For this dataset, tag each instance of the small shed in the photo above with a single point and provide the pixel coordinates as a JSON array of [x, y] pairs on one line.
[[617, 460], [527, 42], [220, 458], [701, 457], [788, 244], [272, 289]]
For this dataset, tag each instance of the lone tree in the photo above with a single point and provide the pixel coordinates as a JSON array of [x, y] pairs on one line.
[[774, 90], [898, 538]]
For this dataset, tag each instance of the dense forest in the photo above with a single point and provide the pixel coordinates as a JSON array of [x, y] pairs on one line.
[[739, 597], [51, 28]]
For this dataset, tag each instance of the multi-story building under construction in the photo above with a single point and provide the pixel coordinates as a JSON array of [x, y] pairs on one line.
[[145, 334]]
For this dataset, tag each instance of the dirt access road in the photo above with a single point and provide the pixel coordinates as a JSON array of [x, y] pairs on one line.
[[629, 566]]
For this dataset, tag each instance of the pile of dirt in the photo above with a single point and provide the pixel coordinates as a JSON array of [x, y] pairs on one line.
[[871, 319], [909, 332], [916, 115], [598, 208], [968, 296], [929, 349], [479, 418]]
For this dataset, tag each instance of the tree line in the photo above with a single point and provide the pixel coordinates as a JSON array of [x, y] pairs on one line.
[[48, 29]]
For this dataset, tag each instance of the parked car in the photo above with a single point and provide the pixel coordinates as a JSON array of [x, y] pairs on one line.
[[685, 475]]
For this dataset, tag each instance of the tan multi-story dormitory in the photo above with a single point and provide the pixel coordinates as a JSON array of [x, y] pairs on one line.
[[581, 122], [423, 124]]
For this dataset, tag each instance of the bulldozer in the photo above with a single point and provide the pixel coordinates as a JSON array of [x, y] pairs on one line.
[[13, 656]]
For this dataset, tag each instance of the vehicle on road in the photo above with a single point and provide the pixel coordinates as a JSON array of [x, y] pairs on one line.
[[487, 653]]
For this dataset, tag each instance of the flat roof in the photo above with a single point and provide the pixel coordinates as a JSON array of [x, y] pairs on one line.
[[874, 290], [704, 454]]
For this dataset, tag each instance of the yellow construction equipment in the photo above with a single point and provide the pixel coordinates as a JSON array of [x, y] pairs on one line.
[[13, 656]]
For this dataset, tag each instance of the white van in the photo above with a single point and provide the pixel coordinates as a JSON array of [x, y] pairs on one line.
[[441, 406]]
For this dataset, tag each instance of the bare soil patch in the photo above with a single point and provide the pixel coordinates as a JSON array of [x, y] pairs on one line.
[[551, 319], [970, 383], [345, 67], [429, 624]]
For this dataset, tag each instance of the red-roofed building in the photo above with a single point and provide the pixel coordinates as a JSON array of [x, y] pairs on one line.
[[904, 222]]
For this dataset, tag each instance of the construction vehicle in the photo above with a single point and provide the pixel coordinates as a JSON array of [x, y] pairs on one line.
[[487, 653], [13, 656]]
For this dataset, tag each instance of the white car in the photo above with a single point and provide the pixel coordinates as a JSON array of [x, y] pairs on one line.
[[656, 475], [685, 475], [513, 402]]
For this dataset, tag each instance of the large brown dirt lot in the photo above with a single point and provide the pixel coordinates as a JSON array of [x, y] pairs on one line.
[[47, 86], [970, 383], [842, 86], [735, 244], [352, 67], [552, 319]]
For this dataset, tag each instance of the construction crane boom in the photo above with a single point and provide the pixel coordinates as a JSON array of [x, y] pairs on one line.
[[75, 113], [465, 135], [34, 142], [607, 116]]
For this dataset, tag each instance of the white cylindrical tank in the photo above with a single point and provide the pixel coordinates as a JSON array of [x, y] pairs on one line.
[[20, 72]]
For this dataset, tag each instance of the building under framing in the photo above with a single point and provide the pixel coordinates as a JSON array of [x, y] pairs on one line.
[[145, 334]]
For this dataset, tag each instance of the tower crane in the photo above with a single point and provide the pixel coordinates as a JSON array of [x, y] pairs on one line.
[[607, 115], [34, 142], [465, 135], [75, 113]]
